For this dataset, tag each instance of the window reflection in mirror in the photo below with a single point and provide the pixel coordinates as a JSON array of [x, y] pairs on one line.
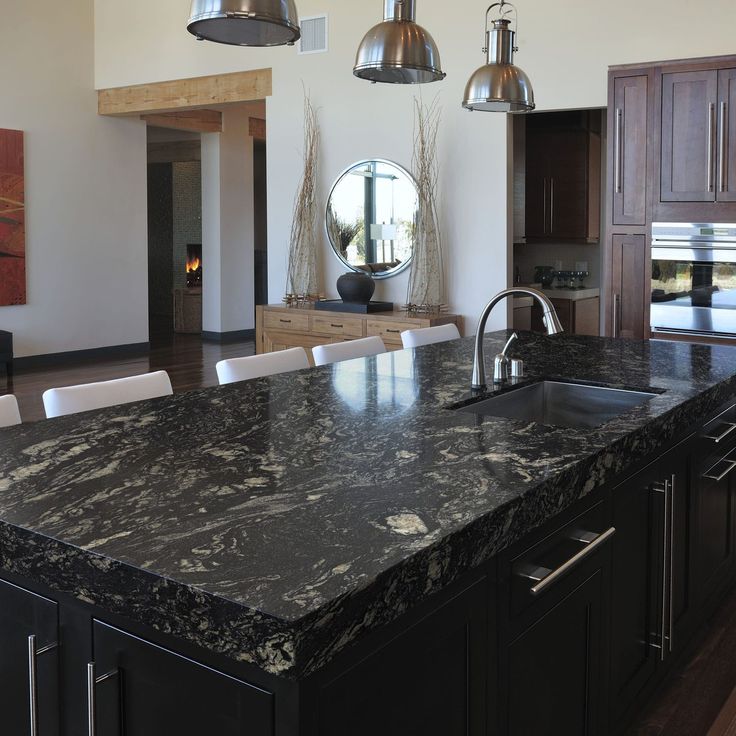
[[371, 215]]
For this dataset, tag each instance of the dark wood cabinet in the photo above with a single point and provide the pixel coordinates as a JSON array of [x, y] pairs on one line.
[[726, 185], [578, 317], [29, 631], [630, 129], [627, 269], [146, 690], [698, 136], [652, 570], [430, 680], [553, 648], [563, 181]]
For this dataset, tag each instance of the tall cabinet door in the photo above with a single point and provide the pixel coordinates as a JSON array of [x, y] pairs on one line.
[[689, 132], [24, 615], [628, 273], [727, 135], [141, 689], [630, 131]]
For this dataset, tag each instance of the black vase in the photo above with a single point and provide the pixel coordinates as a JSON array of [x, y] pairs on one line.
[[356, 288]]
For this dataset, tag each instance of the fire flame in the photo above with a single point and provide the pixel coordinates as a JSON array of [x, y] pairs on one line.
[[193, 265]]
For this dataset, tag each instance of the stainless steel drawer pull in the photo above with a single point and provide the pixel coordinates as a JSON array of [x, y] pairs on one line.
[[92, 682], [722, 149], [618, 151], [33, 654], [718, 478], [711, 134], [731, 426], [547, 577]]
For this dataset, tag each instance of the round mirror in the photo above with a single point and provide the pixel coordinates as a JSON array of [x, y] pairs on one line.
[[371, 214]]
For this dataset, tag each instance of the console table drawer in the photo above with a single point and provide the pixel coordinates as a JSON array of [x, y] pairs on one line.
[[389, 331], [285, 321], [337, 325]]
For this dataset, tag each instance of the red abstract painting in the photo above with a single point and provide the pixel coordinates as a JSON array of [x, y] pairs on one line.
[[12, 219]]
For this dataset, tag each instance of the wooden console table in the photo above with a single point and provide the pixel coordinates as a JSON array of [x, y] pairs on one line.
[[279, 327]]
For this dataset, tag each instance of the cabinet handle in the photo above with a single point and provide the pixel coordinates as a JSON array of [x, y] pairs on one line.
[[711, 126], [544, 201], [551, 206], [592, 542], [616, 303], [668, 540], [719, 438], [618, 151], [285, 321], [673, 495], [92, 682], [33, 654], [336, 326], [722, 146], [394, 332], [718, 478]]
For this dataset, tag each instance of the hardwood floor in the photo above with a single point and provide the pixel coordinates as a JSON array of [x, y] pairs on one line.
[[189, 361], [696, 699]]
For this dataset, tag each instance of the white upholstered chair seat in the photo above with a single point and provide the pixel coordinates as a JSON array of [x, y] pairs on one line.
[[339, 351], [257, 366], [87, 397], [9, 414], [429, 335]]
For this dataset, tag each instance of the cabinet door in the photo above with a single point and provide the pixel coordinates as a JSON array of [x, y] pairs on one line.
[[629, 136], [727, 135], [689, 101], [537, 183], [430, 680], [554, 668], [636, 579], [568, 185], [714, 504], [628, 274], [24, 614], [144, 690]]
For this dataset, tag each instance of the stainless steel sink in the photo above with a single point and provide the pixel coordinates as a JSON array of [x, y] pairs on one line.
[[559, 404]]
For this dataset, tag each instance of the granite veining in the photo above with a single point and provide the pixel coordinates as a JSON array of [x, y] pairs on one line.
[[275, 521]]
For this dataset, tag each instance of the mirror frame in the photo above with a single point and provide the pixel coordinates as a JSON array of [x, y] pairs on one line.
[[355, 269]]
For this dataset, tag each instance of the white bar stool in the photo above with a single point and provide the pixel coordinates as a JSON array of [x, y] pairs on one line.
[[257, 366], [339, 351], [429, 336], [9, 413], [59, 402]]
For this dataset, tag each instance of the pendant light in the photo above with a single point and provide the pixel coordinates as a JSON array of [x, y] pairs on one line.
[[245, 22], [398, 51], [499, 86]]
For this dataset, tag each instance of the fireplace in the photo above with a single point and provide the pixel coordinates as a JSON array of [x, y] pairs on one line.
[[194, 266]]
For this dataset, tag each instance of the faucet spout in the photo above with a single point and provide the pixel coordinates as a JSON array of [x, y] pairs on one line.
[[550, 318]]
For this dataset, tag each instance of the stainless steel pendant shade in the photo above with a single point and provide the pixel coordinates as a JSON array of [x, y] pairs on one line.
[[245, 22], [398, 51], [499, 85]]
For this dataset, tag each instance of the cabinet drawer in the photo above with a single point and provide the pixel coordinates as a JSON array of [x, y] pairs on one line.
[[389, 331], [286, 321], [548, 568], [720, 432], [337, 325]]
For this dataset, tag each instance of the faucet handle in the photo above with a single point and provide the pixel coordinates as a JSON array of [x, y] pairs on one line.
[[501, 368], [506, 347]]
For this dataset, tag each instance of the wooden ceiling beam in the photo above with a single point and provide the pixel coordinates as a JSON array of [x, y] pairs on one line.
[[194, 121], [185, 94]]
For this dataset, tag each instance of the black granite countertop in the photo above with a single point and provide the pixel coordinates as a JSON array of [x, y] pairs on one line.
[[275, 521]]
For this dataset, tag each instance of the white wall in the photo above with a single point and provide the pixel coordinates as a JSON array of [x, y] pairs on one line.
[[228, 241], [85, 188], [566, 47]]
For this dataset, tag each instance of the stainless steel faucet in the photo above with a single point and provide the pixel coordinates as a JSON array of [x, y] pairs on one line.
[[551, 322]]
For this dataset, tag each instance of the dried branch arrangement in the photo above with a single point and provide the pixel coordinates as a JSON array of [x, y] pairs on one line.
[[426, 290], [303, 278]]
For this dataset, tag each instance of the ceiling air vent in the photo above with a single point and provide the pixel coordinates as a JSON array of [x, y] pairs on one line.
[[314, 35]]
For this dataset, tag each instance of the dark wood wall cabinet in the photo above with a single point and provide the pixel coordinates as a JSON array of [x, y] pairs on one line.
[[568, 631], [671, 158], [563, 157]]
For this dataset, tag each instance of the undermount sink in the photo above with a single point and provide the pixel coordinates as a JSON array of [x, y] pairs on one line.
[[560, 404]]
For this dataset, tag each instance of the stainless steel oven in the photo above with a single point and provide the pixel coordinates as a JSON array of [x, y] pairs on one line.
[[694, 279]]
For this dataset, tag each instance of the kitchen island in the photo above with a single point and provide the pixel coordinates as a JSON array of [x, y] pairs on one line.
[[335, 551]]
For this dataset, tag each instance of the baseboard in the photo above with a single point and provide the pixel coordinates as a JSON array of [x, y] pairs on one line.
[[77, 356], [225, 337]]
